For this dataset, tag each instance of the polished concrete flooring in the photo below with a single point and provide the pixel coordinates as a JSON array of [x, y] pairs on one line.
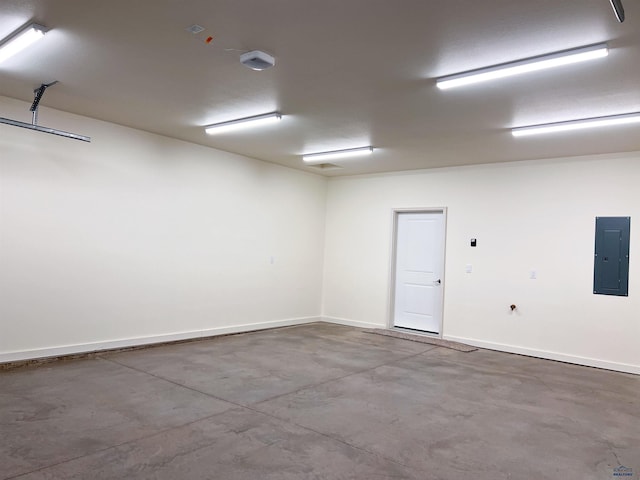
[[316, 401]]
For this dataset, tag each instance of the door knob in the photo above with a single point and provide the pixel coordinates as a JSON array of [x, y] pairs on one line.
[[438, 281]]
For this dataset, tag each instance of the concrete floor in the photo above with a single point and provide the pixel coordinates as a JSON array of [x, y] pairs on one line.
[[317, 401]]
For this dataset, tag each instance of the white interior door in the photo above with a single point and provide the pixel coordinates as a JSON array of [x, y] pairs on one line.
[[419, 269]]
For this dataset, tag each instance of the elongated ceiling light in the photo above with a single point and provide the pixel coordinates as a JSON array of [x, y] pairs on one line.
[[533, 64], [241, 123], [20, 40], [596, 122], [321, 157], [618, 9]]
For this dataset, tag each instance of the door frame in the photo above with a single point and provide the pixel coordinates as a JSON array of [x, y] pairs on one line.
[[392, 264]]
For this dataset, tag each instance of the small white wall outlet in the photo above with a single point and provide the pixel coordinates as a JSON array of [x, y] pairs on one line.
[[468, 268], [533, 274]]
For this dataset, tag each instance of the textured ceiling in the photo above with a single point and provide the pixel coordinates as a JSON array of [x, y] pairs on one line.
[[349, 73]]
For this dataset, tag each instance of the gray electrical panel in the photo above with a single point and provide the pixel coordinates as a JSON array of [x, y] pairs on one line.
[[611, 259]]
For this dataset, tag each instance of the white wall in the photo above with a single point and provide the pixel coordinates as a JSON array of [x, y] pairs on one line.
[[526, 215], [137, 238]]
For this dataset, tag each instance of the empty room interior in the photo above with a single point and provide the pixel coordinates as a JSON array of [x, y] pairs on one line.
[[319, 239]]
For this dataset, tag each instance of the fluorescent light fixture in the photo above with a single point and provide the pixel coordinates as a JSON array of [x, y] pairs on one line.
[[248, 122], [627, 118], [321, 157], [543, 62], [21, 40], [618, 9]]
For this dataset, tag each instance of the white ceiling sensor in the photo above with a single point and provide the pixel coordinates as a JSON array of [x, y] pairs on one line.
[[195, 29], [257, 60]]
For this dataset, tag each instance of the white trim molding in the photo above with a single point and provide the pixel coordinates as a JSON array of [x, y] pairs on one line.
[[92, 347], [560, 357], [352, 323]]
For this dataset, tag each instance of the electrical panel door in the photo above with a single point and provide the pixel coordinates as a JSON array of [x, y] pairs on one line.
[[611, 260]]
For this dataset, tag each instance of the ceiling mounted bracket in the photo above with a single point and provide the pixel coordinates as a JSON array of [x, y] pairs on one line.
[[37, 96]]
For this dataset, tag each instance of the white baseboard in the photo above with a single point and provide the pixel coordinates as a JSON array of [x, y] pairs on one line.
[[351, 323], [59, 351], [561, 357], [23, 355]]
